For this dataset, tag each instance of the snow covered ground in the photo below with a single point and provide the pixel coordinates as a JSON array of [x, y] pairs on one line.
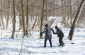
[[34, 46]]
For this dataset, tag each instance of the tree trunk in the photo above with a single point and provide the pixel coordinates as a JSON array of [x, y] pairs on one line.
[[8, 9], [74, 22], [20, 19], [14, 20], [70, 13], [23, 19], [34, 24], [7, 20], [41, 25], [27, 19]]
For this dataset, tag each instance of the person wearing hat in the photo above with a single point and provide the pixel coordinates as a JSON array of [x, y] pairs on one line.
[[48, 34], [60, 35]]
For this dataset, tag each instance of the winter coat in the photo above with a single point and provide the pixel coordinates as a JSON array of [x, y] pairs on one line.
[[59, 32], [47, 31]]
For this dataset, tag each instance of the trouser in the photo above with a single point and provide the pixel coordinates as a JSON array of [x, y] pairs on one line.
[[60, 41], [46, 42]]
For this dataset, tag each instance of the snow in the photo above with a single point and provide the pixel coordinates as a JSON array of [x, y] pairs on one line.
[[32, 45]]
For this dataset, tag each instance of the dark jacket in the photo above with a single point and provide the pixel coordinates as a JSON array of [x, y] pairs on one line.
[[59, 32], [47, 31]]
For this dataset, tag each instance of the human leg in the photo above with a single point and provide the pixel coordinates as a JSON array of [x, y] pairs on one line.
[[50, 42], [45, 42], [60, 41]]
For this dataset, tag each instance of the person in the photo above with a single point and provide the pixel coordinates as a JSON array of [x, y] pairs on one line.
[[48, 34], [60, 35]]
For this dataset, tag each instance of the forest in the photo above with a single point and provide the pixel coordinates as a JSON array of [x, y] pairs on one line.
[[22, 21]]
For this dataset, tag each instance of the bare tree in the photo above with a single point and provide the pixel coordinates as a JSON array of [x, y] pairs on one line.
[[42, 15], [23, 19], [27, 19], [40, 10], [8, 11], [74, 22], [14, 20]]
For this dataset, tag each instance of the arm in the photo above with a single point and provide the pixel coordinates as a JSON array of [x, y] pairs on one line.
[[42, 32], [53, 31]]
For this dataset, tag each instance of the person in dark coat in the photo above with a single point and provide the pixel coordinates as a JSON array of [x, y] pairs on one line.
[[60, 35], [48, 35]]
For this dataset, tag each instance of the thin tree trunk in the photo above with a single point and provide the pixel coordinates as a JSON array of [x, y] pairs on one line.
[[34, 24], [14, 20], [46, 11], [8, 13], [74, 22], [2, 21], [27, 19], [7, 20], [70, 12], [23, 20], [20, 19]]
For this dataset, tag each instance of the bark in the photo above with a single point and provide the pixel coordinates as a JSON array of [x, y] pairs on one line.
[[74, 22], [41, 25], [14, 20], [8, 9], [20, 18], [27, 19], [23, 19]]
